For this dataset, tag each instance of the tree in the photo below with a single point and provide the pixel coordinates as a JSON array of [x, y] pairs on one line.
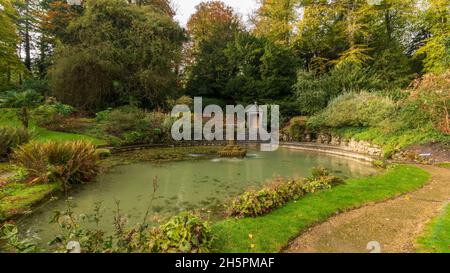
[[211, 28], [27, 26], [54, 18], [210, 18], [10, 64], [118, 53], [275, 20], [436, 48]]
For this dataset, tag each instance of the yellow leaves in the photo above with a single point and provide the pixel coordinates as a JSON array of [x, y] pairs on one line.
[[357, 54]]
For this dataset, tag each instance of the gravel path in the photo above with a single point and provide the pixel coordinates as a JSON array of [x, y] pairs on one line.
[[393, 225]]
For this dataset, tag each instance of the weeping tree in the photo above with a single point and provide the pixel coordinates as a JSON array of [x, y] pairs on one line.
[[117, 53]]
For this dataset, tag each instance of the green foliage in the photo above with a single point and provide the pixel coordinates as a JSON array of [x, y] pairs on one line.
[[436, 237], [354, 109], [17, 198], [272, 232], [12, 137], [444, 165], [379, 164], [10, 64], [52, 114], [436, 47], [314, 92], [136, 126], [10, 233], [68, 162], [419, 116], [295, 128], [232, 150], [17, 99], [259, 202], [318, 172], [185, 233], [118, 53], [183, 100], [103, 153]]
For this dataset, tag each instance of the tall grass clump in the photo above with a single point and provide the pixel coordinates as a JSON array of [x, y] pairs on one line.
[[67, 162], [11, 137]]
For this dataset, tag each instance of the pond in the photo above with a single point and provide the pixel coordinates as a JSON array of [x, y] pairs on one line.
[[186, 185]]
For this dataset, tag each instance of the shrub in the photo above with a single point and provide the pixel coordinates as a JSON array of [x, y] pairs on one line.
[[314, 92], [185, 233], [354, 109], [379, 164], [183, 100], [103, 153], [52, 114], [431, 98], [135, 126], [17, 99], [11, 137], [296, 128], [318, 172], [68, 162], [259, 202]]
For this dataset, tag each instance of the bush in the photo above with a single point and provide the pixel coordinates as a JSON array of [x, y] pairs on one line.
[[68, 162], [17, 99], [135, 126], [295, 129], [11, 137], [185, 233], [259, 202], [314, 92], [184, 100], [103, 153], [52, 114], [318, 172], [429, 102], [354, 109]]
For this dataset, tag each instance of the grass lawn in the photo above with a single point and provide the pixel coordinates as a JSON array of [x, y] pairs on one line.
[[9, 117], [18, 198], [444, 165], [273, 231], [437, 234]]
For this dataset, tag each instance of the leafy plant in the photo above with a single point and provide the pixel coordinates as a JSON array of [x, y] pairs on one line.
[[18, 99], [10, 233], [52, 114], [136, 126], [354, 109], [69, 162], [280, 191], [11, 137], [186, 233]]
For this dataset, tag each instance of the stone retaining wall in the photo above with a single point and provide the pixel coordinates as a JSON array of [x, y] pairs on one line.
[[363, 147]]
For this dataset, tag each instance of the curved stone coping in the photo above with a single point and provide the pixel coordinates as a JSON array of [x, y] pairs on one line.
[[121, 149], [329, 149], [305, 146]]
